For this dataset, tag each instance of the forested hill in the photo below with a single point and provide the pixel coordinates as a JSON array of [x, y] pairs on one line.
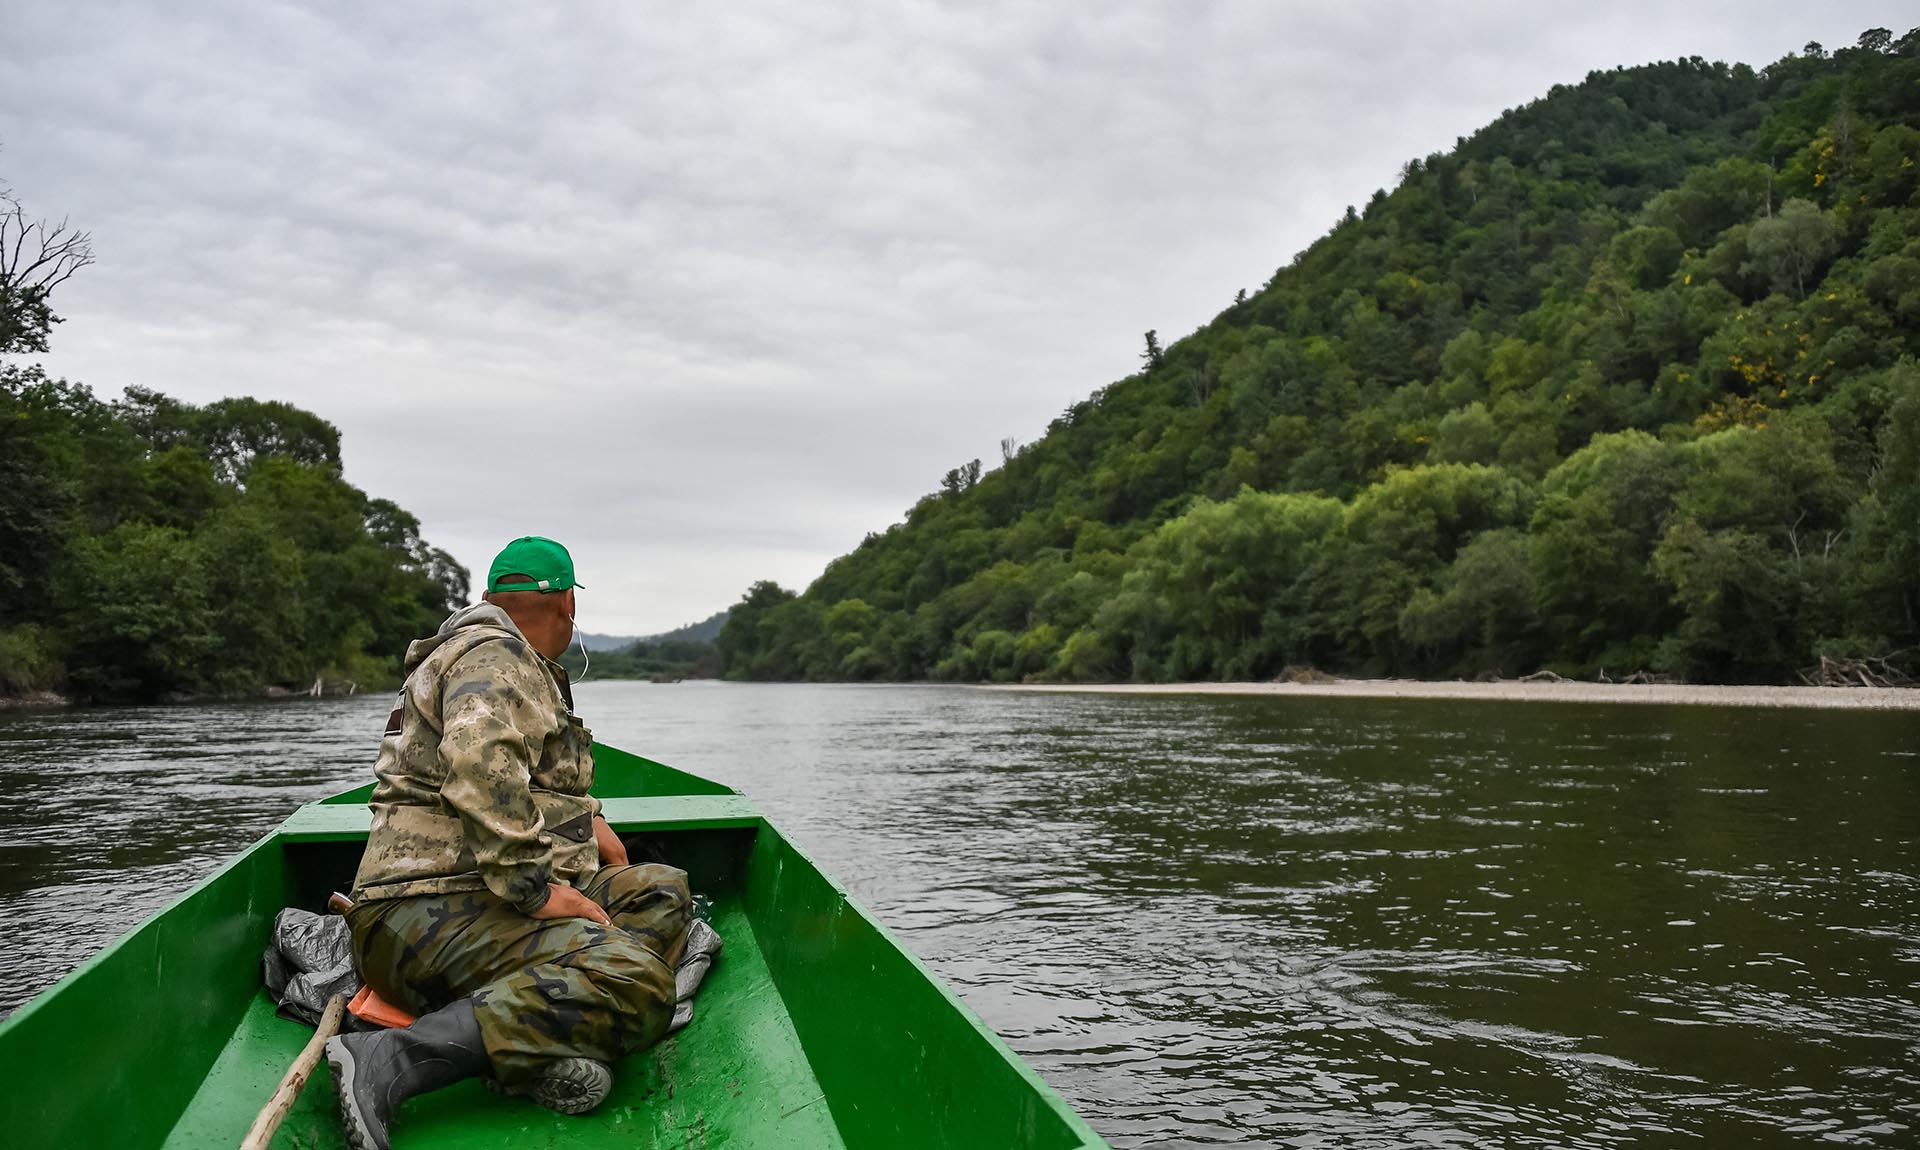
[[1623, 383]]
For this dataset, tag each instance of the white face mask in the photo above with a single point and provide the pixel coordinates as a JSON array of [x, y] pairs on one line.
[[586, 660]]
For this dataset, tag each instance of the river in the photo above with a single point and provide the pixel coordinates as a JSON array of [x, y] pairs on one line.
[[1211, 921]]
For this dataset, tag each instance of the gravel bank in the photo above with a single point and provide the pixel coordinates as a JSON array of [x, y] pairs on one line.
[[33, 699], [1832, 698]]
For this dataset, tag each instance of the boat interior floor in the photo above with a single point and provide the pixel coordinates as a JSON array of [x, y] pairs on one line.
[[736, 1076]]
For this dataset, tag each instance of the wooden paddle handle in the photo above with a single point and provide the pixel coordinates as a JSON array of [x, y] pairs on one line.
[[275, 1111]]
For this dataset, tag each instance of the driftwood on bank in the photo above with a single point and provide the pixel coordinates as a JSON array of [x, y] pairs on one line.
[[1868, 672], [1299, 673], [1639, 677]]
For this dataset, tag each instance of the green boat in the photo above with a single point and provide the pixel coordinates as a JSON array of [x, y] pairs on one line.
[[815, 1028]]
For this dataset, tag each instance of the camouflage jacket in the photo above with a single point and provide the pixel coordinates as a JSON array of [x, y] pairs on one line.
[[483, 772]]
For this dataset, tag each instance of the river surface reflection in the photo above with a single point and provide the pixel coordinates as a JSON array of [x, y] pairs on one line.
[[1212, 921]]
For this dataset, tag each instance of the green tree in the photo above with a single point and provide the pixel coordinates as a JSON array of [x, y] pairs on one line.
[[1735, 593], [1590, 543], [140, 620], [1793, 245], [1468, 435], [748, 643], [1224, 583], [1478, 616]]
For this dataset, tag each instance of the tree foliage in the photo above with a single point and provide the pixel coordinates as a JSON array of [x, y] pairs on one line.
[[151, 548], [1624, 382]]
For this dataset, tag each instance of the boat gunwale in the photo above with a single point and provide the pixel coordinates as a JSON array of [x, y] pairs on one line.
[[1088, 1137], [151, 921]]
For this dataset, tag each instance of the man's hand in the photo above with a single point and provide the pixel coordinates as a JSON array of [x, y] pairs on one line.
[[566, 902], [613, 852]]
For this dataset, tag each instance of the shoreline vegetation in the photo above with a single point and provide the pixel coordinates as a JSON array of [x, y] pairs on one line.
[[1514, 691]]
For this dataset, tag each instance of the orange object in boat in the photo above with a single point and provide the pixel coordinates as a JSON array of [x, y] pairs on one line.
[[370, 1007]]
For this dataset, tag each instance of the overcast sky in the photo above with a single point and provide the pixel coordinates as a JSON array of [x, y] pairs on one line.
[[710, 291]]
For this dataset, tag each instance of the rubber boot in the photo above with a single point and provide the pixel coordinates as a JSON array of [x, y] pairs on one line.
[[567, 1085], [374, 1073]]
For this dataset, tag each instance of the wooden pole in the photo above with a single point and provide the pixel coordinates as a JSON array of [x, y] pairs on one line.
[[283, 1098]]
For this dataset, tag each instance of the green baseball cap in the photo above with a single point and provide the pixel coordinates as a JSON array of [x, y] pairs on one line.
[[541, 560]]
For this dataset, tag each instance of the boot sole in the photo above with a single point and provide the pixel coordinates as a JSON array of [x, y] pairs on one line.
[[352, 1123], [571, 1086]]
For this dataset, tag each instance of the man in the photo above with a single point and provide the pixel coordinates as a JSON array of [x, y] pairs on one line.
[[481, 903]]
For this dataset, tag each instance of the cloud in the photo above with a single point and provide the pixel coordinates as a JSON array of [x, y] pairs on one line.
[[711, 292]]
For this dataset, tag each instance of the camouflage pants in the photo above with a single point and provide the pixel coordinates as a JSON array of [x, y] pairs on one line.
[[542, 988]]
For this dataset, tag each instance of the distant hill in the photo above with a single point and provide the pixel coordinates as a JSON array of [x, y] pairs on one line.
[[597, 642], [704, 631], [683, 653], [1623, 383]]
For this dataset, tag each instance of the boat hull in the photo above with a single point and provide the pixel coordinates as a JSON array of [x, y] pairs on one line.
[[815, 1028]]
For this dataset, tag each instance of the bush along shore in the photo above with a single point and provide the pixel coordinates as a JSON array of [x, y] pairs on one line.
[[1623, 383]]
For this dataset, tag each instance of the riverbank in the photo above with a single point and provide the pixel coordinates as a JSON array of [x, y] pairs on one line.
[[273, 694], [1566, 691], [33, 699]]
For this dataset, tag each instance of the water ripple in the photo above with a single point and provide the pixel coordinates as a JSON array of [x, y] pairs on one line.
[[1213, 922]]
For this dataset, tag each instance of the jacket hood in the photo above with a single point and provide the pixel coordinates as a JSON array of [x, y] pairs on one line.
[[465, 619]]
